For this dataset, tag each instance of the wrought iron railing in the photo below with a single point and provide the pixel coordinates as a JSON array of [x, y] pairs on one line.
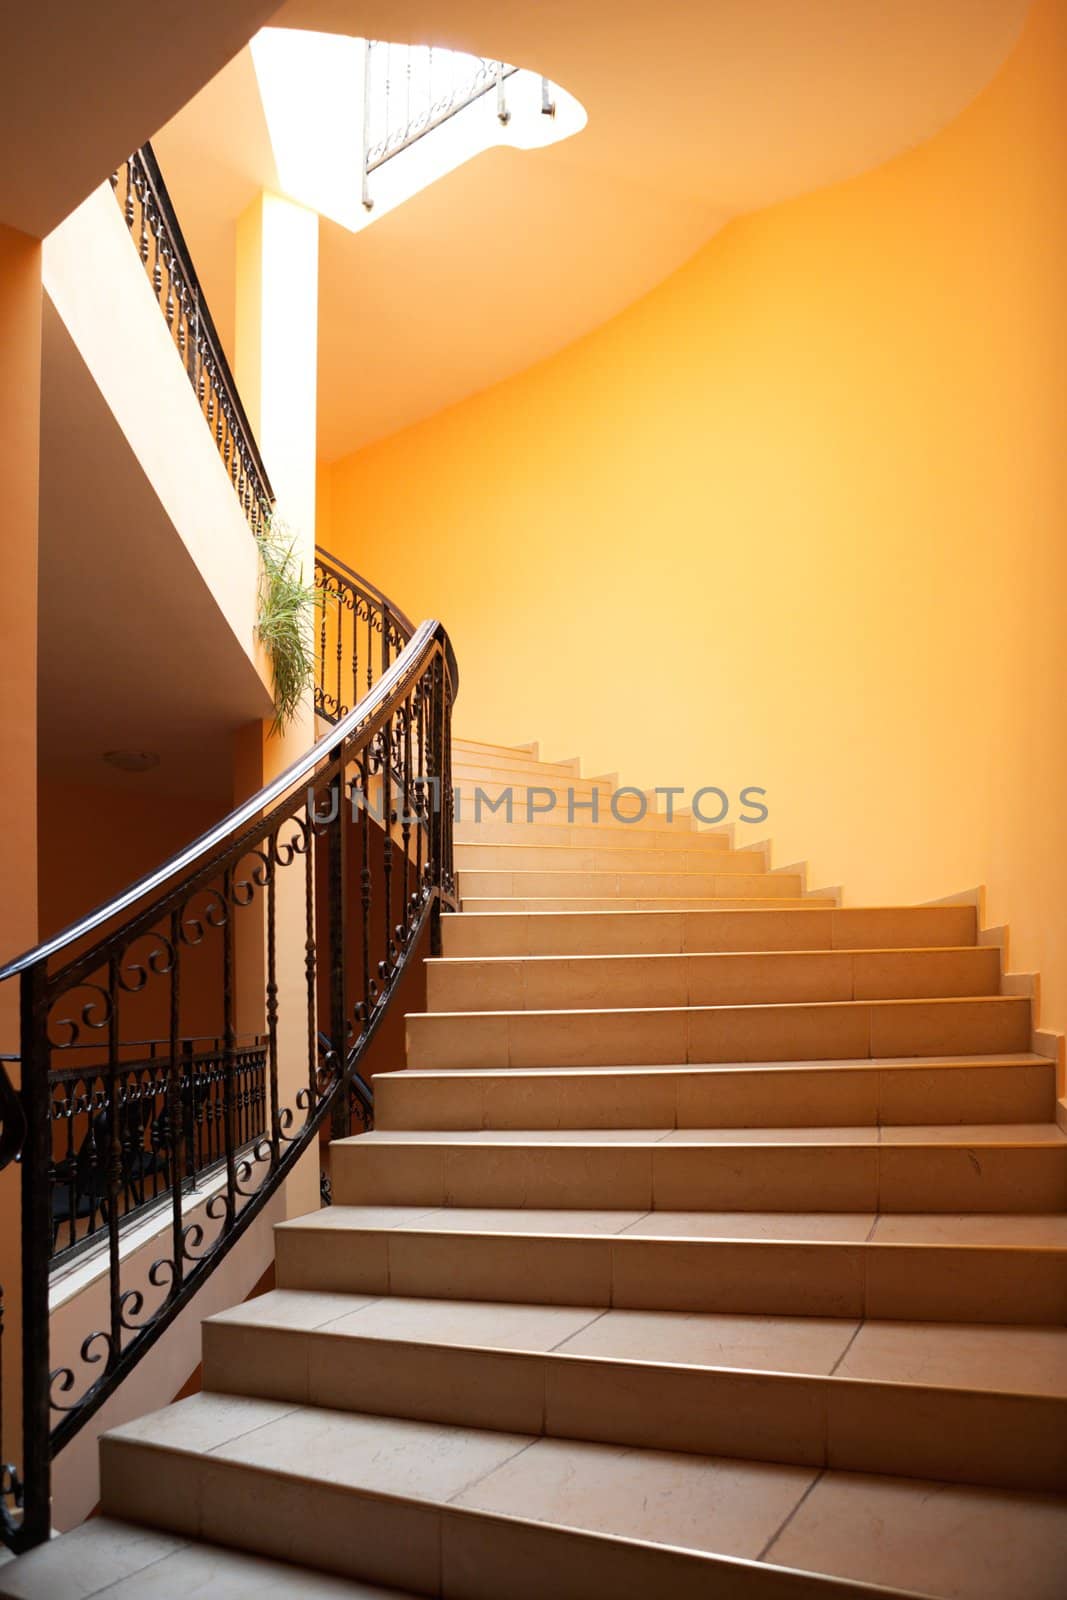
[[361, 632], [83, 1115], [156, 232], [297, 914]]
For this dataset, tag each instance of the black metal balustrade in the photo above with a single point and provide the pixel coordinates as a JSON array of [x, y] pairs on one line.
[[360, 633], [154, 226], [294, 917], [82, 1114]]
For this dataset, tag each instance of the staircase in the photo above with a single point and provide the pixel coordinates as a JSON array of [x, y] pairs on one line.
[[712, 1243]]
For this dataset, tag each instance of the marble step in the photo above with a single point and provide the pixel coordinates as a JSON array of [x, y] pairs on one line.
[[536, 883], [570, 904], [655, 833], [926, 1090], [604, 856], [1019, 1167], [807, 927], [475, 1514], [963, 1404], [586, 982], [108, 1559], [840, 1030], [939, 1267]]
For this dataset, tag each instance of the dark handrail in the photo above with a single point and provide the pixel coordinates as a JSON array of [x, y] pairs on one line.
[[331, 563], [360, 632], [367, 892], [238, 819]]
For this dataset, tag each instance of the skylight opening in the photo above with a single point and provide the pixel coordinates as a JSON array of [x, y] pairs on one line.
[[359, 126]]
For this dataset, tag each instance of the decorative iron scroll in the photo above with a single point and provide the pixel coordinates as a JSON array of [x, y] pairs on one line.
[[360, 633], [293, 919], [82, 1114], [154, 226]]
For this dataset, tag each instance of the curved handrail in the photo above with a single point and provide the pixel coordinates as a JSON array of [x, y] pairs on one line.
[[236, 820], [332, 562], [341, 906]]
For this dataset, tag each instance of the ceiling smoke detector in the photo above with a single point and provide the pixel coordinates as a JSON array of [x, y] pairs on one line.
[[132, 760]]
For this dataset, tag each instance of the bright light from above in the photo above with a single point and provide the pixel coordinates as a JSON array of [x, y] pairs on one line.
[[357, 128]]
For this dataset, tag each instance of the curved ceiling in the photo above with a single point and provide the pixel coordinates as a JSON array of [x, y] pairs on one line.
[[699, 111]]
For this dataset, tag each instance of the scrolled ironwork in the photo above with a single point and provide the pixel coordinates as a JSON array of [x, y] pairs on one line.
[[157, 235], [360, 633], [284, 929]]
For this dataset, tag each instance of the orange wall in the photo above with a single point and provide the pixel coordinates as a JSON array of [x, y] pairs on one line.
[[20, 405], [95, 840], [798, 518]]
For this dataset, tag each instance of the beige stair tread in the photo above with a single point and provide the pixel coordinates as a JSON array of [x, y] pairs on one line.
[[541, 957], [967, 1134], [1031, 1230], [715, 1506], [986, 1357], [698, 1069], [492, 905], [108, 1559]]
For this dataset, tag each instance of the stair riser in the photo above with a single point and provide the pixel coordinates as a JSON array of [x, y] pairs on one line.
[[680, 1177], [757, 1278], [697, 932], [928, 1432], [844, 1031], [843, 1097], [423, 1546], [547, 984], [753, 885], [604, 857]]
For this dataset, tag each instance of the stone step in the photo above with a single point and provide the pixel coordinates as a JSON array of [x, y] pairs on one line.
[[605, 857], [568, 904], [812, 925], [844, 1030], [113, 1560], [556, 983], [478, 746], [921, 1267], [1016, 1167], [527, 826], [469, 775], [630, 884], [570, 800], [980, 1089], [654, 833], [476, 1514], [964, 1404], [490, 763]]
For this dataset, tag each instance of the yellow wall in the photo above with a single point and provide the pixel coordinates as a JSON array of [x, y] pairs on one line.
[[798, 518]]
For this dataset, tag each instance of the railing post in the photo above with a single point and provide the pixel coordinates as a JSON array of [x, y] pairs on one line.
[[36, 1253], [438, 799], [368, 203], [336, 897]]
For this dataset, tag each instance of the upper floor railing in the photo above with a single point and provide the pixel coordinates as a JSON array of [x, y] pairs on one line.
[[157, 234], [295, 916], [409, 90]]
